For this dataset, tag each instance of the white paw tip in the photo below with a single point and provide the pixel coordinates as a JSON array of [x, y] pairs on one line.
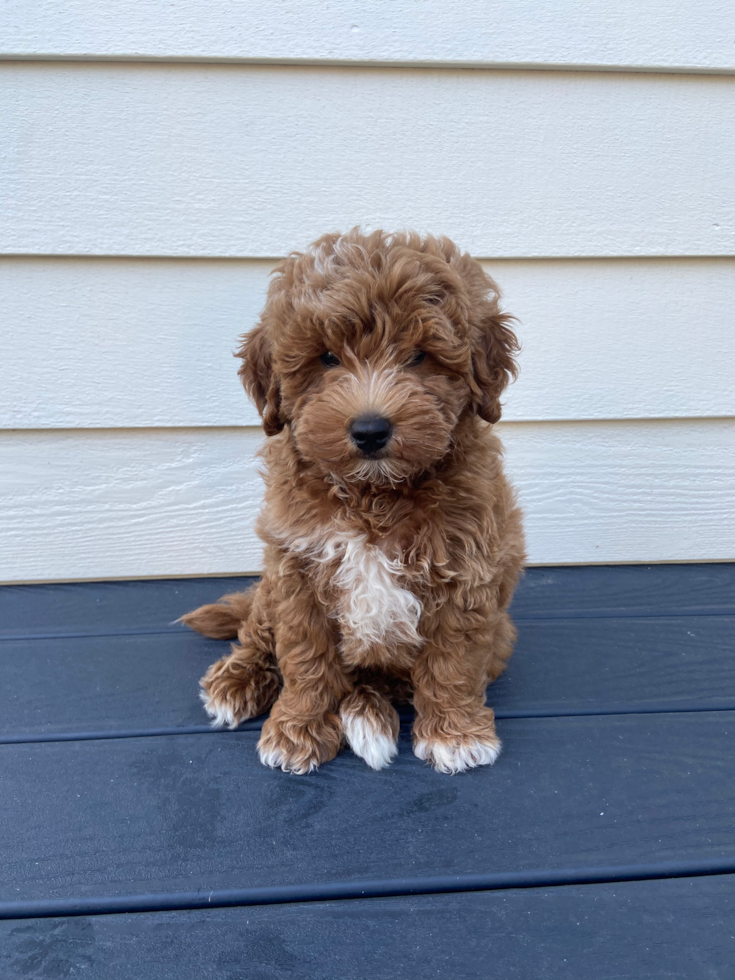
[[367, 740], [222, 715], [449, 758], [273, 759]]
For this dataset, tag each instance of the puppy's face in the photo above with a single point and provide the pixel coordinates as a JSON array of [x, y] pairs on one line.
[[379, 407], [372, 348]]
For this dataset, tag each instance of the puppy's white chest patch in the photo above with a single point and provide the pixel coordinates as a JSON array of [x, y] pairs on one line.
[[374, 607]]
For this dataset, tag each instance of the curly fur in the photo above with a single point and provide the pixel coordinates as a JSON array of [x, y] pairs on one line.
[[387, 575]]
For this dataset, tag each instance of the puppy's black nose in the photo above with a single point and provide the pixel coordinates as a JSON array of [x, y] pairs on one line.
[[370, 433]]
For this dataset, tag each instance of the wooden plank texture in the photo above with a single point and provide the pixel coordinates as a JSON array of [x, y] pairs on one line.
[[567, 592], [232, 160], [96, 658], [149, 343], [656, 35], [92, 685], [647, 930], [94, 608], [126, 503], [94, 819], [635, 804], [625, 590]]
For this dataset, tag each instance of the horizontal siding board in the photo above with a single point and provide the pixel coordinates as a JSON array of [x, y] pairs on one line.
[[232, 160], [608, 492], [121, 343], [655, 35], [127, 343], [122, 503], [126, 503]]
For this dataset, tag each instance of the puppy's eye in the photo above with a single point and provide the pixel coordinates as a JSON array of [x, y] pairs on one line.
[[329, 359], [416, 358]]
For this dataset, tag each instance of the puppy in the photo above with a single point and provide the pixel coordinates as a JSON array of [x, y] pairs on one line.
[[393, 542]]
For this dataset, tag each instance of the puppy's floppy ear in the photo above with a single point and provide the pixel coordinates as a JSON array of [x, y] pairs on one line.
[[259, 378], [494, 346]]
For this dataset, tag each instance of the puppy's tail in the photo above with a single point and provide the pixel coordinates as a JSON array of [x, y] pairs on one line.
[[221, 620]]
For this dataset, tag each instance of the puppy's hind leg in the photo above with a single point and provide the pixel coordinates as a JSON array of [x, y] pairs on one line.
[[370, 725], [502, 638], [245, 683], [239, 687]]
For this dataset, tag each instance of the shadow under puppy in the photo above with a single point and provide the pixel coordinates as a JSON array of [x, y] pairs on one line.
[[393, 542]]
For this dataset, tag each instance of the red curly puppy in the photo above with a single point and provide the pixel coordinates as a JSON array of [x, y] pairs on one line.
[[393, 541]]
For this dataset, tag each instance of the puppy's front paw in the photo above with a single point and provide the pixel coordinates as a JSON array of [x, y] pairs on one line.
[[456, 741], [297, 745], [452, 755], [371, 726], [234, 690]]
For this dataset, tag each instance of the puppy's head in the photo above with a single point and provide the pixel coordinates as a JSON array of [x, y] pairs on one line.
[[372, 348]]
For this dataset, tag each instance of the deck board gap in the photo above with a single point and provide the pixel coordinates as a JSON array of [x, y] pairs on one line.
[[378, 888], [256, 724], [518, 619]]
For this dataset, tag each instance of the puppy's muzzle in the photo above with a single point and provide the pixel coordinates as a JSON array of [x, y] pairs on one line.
[[370, 433]]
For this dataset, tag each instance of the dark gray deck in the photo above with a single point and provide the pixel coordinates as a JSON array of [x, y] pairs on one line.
[[138, 843]]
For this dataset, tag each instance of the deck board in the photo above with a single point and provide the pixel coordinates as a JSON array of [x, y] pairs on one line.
[[570, 591], [146, 683], [106, 607], [617, 770], [184, 813], [640, 930]]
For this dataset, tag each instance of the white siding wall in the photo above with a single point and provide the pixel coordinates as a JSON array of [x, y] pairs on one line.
[[155, 166]]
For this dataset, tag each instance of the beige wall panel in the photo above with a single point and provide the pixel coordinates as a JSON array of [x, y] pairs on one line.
[[657, 35], [232, 160], [121, 343], [106, 504]]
